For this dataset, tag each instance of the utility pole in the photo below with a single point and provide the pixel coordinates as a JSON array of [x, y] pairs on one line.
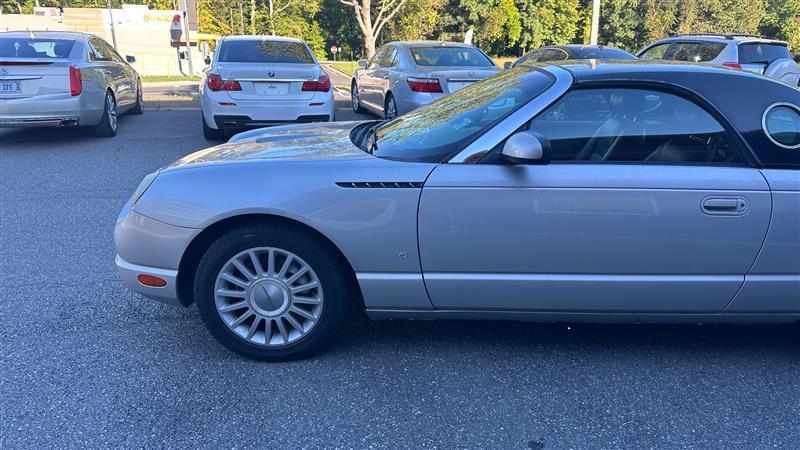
[[185, 13], [595, 32], [111, 19]]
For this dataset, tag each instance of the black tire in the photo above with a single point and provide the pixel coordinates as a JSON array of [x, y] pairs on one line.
[[109, 121], [138, 107], [211, 134], [354, 101], [318, 254]]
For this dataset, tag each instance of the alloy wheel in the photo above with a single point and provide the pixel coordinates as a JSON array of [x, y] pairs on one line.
[[391, 108], [111, 107], [354, 98], [268, 296]]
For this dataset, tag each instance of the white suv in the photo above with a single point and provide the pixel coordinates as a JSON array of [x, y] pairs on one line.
[[756, 54], [258, 81]]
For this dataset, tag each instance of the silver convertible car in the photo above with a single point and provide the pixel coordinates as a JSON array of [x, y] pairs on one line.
[[582, 191], [65, 79]]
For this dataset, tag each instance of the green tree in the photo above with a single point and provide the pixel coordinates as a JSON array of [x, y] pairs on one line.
[[547, 22], [418, 19], [497, 23], [783, 22]]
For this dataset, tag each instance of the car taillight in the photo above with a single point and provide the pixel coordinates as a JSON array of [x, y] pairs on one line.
[[323, 84], [424, 85], [75, 82], [732, 65], [216, 83]]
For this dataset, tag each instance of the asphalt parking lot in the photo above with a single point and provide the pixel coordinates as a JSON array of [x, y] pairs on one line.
[[87, 363]]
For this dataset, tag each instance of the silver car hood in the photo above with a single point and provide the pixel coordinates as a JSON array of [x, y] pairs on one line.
[[295, 142]]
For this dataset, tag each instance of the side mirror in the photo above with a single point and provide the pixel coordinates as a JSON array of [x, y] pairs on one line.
[[207, 60], [130, 59], [362, 63], [527, 147], [508, 65]]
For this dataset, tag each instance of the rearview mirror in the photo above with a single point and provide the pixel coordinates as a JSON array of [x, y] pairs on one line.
[[207, 60], [130, 59], [527, 147], [362, 63], [508, 65]]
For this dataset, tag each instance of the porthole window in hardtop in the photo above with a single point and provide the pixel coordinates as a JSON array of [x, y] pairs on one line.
[[782, 125]]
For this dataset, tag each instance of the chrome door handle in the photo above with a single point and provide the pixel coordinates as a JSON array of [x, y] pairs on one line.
[[721, 205]]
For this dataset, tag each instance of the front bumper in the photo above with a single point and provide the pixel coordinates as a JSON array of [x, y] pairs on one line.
[[130, 275]]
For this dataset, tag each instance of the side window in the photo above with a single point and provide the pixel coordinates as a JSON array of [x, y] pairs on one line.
[[375, 62], [99, 52], [634, 125], [655, 52], [684, 51], [710, 50], [556, 54], [389, 58]]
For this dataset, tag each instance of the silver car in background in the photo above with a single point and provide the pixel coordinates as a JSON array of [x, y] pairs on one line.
[[737, 51], [65, 79], [402, 76]]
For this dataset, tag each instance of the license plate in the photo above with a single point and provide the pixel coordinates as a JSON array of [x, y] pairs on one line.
[[456, 85], [272, 88], [10, 87]]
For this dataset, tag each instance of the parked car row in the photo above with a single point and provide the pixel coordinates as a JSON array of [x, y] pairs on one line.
[[403, 76], [65, 79]]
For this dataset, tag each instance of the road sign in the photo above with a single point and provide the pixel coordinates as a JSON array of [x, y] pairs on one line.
[[176, 29], [334, 49]]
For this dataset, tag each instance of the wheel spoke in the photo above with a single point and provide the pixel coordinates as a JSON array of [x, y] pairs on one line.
[[294, 323], [302, 312], [282, 330], [271, 262], [241, 319], [230, 293], [285, 267], [233, 307], [297, 275], [236, 281], [256, 263], [244, 270], [306, 300], [304, 287], [253, 328]]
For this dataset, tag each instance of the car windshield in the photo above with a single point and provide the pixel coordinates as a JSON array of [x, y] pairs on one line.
[[436, 131], [263, 51], [450, 57], [25, 47]]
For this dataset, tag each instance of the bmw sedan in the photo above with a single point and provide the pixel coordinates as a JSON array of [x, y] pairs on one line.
[[604, 192], [553, 53], [259, 81], [402, 76], [65, 79]]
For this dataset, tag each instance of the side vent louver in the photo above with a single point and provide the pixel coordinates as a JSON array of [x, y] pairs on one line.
[[380, 184]]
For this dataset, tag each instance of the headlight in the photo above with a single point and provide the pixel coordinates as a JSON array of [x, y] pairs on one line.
[[146, 182]]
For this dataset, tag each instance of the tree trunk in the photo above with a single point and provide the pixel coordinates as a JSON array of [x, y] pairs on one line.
[[252, 16], [369, 46]]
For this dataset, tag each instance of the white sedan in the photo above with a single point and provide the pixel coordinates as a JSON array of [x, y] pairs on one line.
[[259, 81]]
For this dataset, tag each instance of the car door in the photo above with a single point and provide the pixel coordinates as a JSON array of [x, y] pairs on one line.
[[649, 206], [102, 56], [369, 83], [383, 74]]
